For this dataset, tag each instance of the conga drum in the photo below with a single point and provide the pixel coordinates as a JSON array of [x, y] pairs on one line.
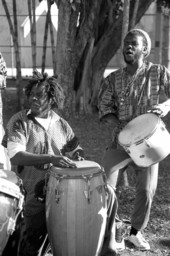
[[76, 209], [11, 204], [145, 139]]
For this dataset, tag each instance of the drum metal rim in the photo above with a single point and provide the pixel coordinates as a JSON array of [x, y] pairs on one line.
[[142, 140]]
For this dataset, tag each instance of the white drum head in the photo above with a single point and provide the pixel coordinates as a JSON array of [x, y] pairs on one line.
[[138, 129]]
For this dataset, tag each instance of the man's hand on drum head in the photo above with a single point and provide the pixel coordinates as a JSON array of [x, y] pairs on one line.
[[110, 119], [161, 109], [62, 161]]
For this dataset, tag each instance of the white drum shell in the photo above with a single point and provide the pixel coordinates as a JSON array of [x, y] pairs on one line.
[[151, 149], [4, 159], [11, 203]]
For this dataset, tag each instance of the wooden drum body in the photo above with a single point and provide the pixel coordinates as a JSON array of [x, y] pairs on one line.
[[76, 209], [145, 139], [11, 203]]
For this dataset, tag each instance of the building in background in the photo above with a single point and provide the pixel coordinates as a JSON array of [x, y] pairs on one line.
[[6, 42]]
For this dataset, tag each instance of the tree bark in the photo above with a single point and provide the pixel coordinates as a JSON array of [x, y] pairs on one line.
[[45, 42], [84, 90], [65, 69], [125, 24], [31, 12], [133, 19], [14, 33], [34, 35], [72, 41], [18, 62], [52, 39]]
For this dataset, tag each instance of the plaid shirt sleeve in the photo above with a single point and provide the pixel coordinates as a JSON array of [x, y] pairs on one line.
[[3, 72], [106, 97], [165, 81]]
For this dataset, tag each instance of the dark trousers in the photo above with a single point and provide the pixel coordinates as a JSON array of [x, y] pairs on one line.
[[146, 184], [34, 235]]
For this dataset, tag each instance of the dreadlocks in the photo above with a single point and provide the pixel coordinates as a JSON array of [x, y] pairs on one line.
[[53, 88]]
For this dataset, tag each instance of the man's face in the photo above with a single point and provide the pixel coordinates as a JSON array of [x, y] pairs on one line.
[[133, 48], [39, 101]]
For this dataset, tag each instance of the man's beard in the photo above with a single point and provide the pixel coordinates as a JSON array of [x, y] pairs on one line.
[[132, 60]]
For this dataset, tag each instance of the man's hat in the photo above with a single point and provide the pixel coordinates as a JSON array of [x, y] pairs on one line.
[[147, 39]]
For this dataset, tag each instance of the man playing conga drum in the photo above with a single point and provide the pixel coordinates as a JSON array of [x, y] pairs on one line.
[[37, 138], [129, 92]]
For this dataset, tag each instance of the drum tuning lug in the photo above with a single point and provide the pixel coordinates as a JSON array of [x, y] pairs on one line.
[[127, 150], [100, 189], [57, 191], [142, 156], [21, 202], [57, 195], [11, 226], [88, 194], [147, 143]]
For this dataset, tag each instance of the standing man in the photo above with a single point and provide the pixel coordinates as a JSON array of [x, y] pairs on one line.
[[125, 94]]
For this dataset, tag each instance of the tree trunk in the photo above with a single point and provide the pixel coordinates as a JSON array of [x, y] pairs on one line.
[[133, 19], [18, 62], [67, 19], [31, 12], [52, 39], [34, 35], [14, 33], [125, 25], [45, 42], [71, 42], [84, 90]]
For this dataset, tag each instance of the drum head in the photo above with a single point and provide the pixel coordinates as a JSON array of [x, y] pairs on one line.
[[138, 129], [83, 167]]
